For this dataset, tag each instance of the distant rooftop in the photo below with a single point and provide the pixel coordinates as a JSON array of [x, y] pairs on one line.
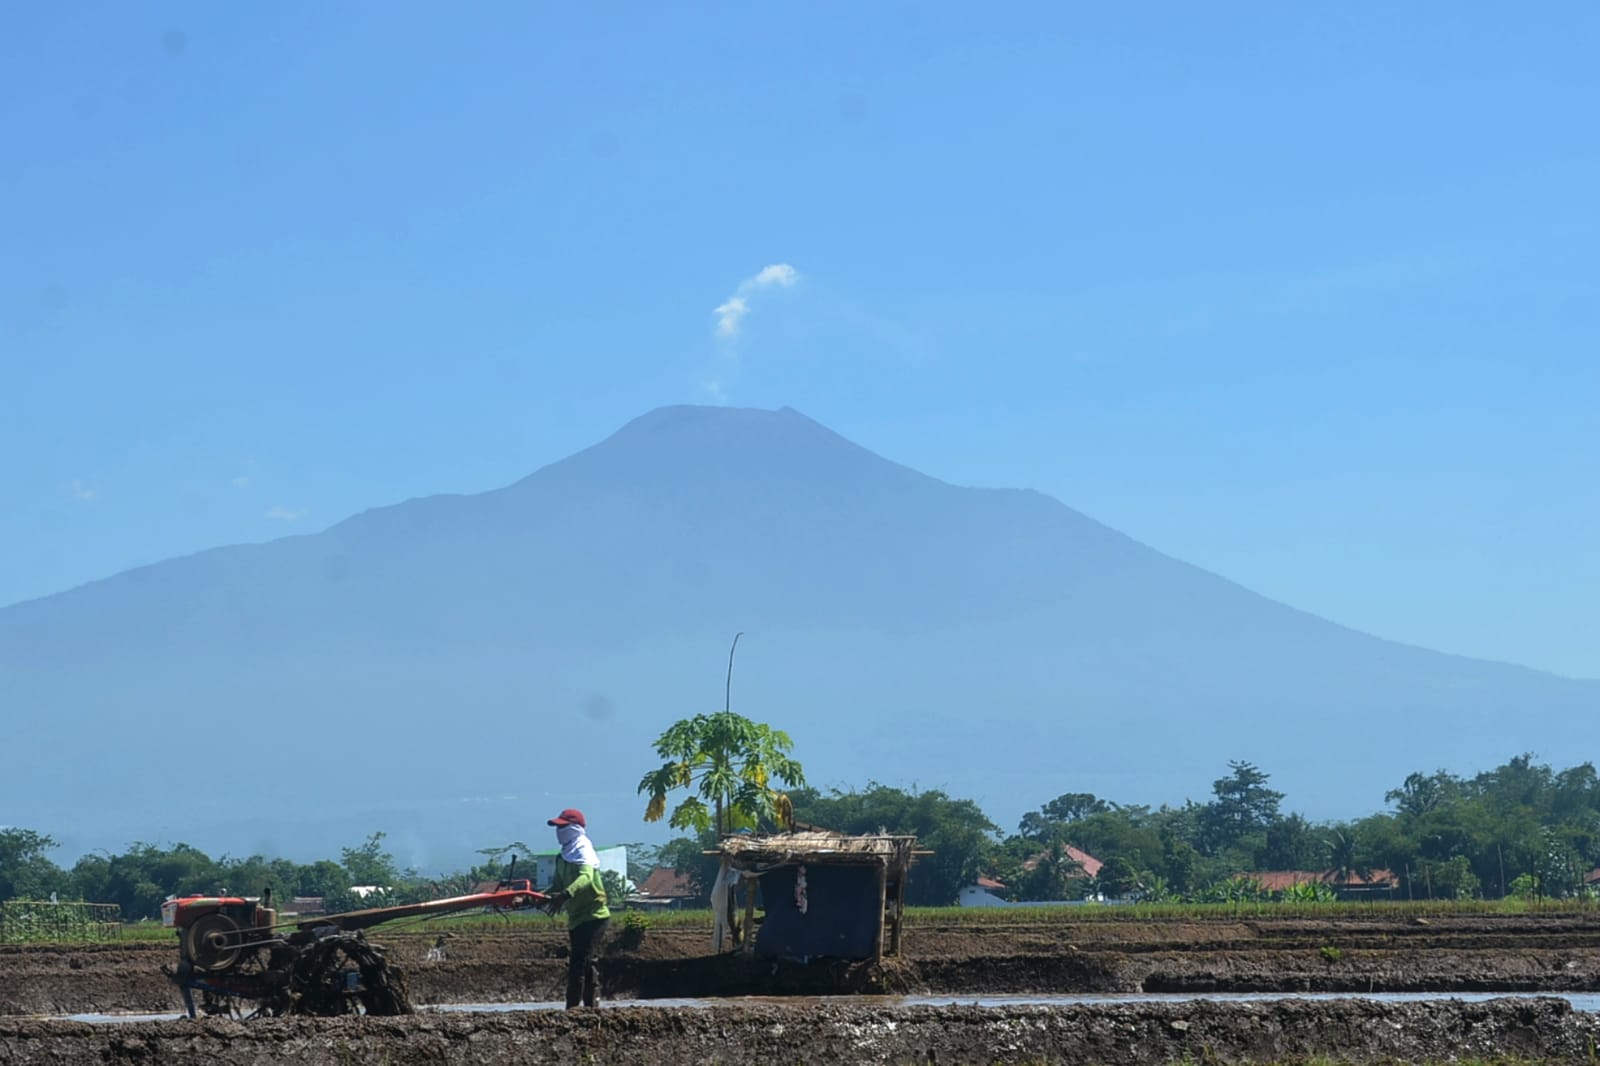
[[666, 883], [1281, 880]]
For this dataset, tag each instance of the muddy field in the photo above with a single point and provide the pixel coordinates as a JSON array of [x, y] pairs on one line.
[[1359, 953], [1291, 1031], [1475, 953]]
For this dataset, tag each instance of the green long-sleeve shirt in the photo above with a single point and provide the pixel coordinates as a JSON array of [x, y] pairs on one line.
[[585, 889]]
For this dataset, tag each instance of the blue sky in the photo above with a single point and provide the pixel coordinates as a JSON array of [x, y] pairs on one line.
[[1306, 297]]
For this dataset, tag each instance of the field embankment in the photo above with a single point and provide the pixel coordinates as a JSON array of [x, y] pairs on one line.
[[1137, 1033]]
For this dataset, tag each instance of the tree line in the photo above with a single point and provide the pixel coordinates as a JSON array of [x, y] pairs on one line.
[[141, 877], [1520, 829]]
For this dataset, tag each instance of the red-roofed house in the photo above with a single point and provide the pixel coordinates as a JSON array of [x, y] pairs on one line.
[[1091, 865], [666, 888], [1376, 884], [987, 892]]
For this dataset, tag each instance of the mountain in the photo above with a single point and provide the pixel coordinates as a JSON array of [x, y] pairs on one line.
[[452, 669]]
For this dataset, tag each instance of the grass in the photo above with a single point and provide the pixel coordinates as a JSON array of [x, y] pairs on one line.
[[147, 932]]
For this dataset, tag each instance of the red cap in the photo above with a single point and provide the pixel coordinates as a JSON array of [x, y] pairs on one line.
[[570, 816]]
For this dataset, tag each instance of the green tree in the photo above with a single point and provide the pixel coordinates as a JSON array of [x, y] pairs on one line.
[[1036, 826], [26, 872], [617, 889], [1453, 879], [1518, 783], [1046, 823], [730, 763], [140, 878], [322, 878], [1557, 865], [642, 858], [370, 863], [1180, 862], [1343, 845], [506, 859], [1421, 794], [1071, 806], [1242, 812], [961, 837], [1292, 843], [1119, 877], [726, 759], [687, 856], [1575, 796], [252, 875], [90, 878]]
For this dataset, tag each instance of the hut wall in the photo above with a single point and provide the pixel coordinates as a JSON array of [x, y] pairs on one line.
[[842, 918]]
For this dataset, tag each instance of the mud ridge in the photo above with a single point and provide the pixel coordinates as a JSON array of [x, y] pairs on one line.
[[1353, 1031]]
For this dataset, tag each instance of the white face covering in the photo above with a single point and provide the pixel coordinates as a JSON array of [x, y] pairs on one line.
[[575, 845]]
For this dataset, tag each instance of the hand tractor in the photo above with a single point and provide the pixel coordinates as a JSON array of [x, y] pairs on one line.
[[232, 949]]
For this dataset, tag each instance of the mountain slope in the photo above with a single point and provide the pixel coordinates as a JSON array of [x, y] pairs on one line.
[[447, 652]]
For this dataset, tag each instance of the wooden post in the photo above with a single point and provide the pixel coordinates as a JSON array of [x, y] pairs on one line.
[[899, 913], [748, 944], [883, 888]]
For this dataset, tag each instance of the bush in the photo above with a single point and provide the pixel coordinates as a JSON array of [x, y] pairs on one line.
[[634, 926]]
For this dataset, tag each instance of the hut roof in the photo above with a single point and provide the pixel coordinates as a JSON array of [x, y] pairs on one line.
[[817, 846]]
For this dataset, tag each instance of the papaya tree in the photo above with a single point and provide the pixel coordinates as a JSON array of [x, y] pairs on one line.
[[730, 764]]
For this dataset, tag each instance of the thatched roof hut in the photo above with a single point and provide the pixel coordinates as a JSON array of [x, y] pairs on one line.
[[824, 894]]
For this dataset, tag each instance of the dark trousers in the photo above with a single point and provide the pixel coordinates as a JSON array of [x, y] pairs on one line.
[[583, 963]]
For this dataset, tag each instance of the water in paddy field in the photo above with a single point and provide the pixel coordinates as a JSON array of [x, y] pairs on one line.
[[1583, 1001]]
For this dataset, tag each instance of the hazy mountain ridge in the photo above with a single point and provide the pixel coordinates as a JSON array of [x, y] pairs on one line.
[[992, 641]]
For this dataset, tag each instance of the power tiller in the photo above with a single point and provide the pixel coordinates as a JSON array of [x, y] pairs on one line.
[[232, 949]]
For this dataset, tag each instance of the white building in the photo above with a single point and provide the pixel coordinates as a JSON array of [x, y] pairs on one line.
[[986, 893], [614, 859]]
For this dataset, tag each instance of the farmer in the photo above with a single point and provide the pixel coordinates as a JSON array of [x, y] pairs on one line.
[[579, 891]]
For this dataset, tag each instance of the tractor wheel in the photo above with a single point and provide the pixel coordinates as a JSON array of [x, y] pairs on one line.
[[213, 943]]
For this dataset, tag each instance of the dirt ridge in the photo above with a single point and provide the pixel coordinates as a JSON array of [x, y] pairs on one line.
[[1546, 1030]]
